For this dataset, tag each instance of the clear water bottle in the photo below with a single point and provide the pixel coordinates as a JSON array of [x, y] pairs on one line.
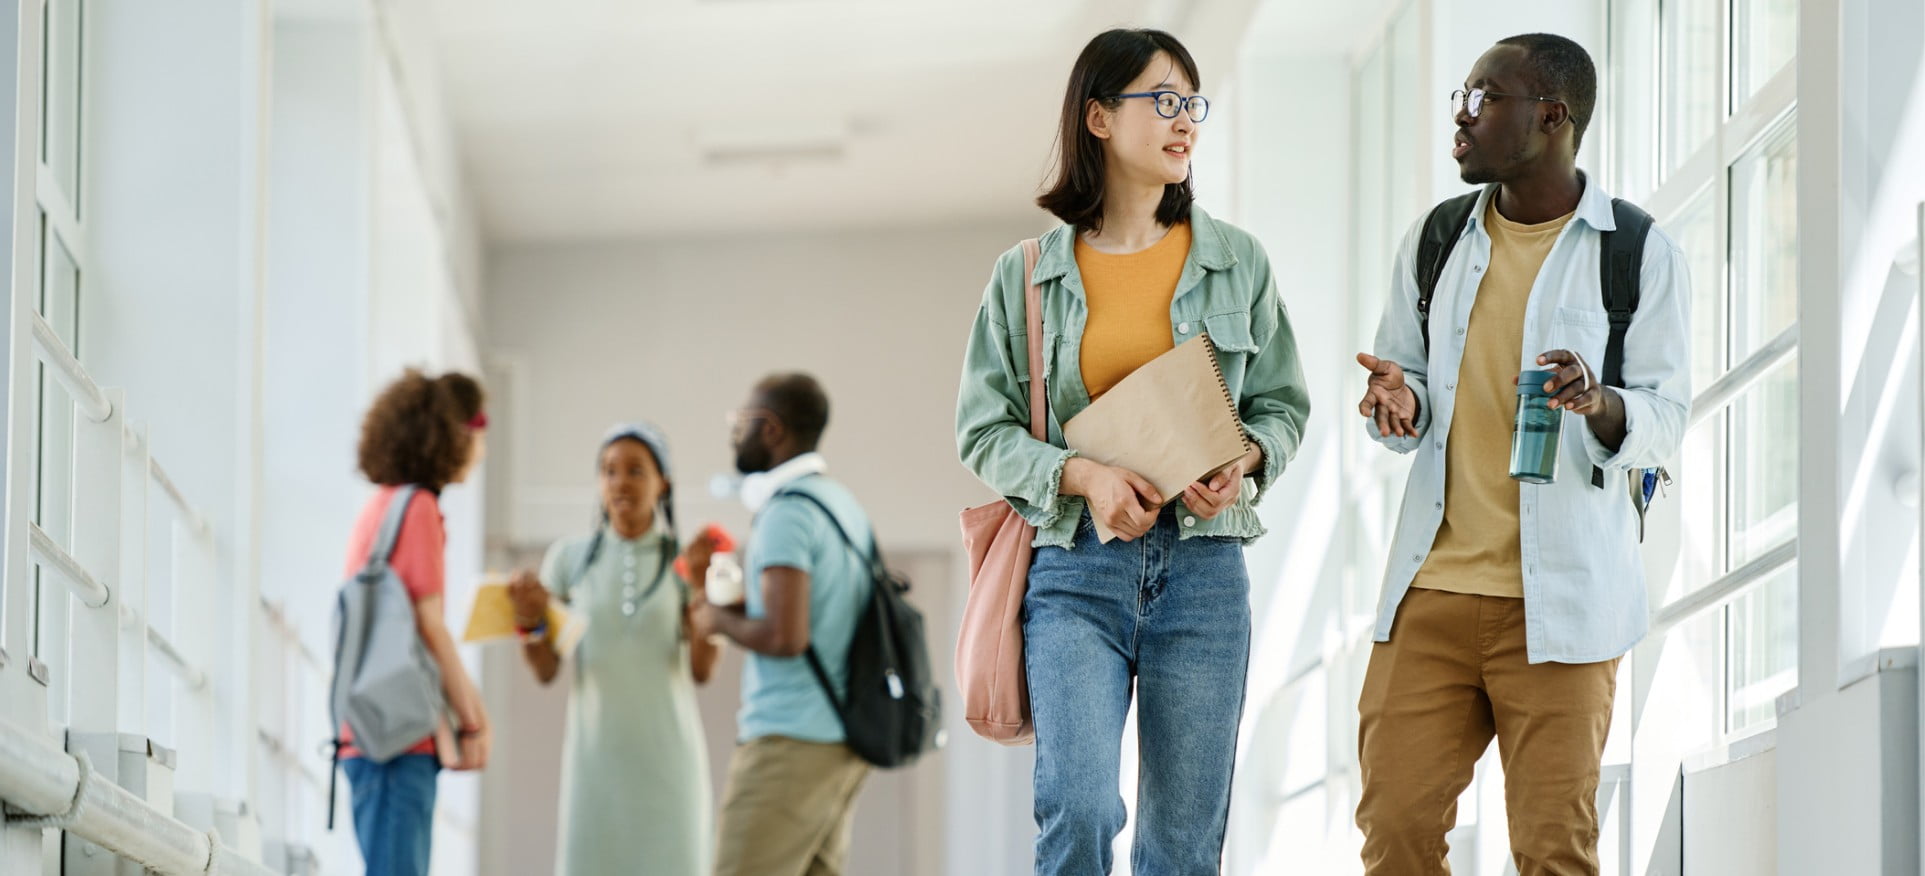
[[1535, 433]]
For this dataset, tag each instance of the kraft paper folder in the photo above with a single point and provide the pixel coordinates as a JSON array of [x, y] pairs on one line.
[[1171, 421], [493, 618]]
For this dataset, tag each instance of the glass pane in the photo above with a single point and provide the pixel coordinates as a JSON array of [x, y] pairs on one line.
[[1631, 107], [1764, 649], [1764, 465], [1696, 230], [1699, 482], [60, 123], [1408, 106], [1766, 38], [1690, 85], [54, 436], [1764, 241], [1375, 243], [1694, 675]]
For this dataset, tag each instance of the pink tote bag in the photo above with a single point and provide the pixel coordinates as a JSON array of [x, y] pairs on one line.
[[989, 648]]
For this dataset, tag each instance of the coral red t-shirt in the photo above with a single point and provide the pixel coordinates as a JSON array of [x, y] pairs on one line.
[[419, 558]]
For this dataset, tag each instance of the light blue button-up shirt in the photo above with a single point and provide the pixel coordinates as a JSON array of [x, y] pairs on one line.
[[1584, 595]]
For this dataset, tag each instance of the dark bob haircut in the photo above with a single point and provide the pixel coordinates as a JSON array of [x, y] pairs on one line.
[[1107, 66]]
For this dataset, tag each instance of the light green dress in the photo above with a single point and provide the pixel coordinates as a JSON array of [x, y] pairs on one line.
[[635, 786]]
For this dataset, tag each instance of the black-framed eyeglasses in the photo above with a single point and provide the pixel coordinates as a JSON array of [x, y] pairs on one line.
[[1472, 102], [1169, 103]]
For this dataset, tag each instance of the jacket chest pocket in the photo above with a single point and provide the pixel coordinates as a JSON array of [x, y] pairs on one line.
[[1235, 346], [1582, 331]]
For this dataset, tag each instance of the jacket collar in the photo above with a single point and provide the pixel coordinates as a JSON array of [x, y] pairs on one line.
[[1593, 207], [1209, 251]]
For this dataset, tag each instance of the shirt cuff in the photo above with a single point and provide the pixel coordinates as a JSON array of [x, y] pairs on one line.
[[1636, 408]]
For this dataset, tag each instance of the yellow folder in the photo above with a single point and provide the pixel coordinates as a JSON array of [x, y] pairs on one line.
[[493, 619]]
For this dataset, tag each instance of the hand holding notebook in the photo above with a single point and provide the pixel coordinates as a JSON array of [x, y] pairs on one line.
[[1171, 421]]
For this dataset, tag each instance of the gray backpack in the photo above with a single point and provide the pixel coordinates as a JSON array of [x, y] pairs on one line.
[[386, 686]]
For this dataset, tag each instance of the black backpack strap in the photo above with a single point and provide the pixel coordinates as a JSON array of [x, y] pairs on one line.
[[1620, 276], [828, 690], [567, 589], [876, 573], [873, 558], [1442, 228]]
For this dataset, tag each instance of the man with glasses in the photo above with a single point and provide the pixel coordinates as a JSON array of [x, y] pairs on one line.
[[792, 781], [1506, 607]]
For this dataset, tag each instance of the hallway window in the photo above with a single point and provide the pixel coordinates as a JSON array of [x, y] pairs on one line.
[[57, 299], [1708, 143]]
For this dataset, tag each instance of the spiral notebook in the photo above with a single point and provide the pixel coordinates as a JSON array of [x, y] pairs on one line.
[[1172, 421]]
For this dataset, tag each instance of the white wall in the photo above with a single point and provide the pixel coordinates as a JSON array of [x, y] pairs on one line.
[[677, 332]]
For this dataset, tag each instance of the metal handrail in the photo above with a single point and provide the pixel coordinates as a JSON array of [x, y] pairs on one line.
[[1723, 590], [67, 370], [292, 636], [1726, 389], [194, 518], [171, 657], [89, 590], [39, 779]]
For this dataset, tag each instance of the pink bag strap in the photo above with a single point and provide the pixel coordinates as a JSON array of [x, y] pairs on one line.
[[1033, 305]]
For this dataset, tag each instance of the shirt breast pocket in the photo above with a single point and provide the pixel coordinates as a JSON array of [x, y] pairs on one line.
[[1584, 332], [1235, 345]]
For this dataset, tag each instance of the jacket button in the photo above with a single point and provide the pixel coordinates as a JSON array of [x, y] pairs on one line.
[[1189, 521], [1183, 328]]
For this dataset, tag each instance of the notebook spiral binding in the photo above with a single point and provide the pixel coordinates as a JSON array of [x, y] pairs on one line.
[[1224, 386]]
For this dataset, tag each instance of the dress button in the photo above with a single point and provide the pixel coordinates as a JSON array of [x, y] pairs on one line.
[[1189, 521], [628, 609], [1183, 329]]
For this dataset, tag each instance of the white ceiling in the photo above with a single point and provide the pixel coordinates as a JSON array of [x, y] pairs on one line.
[[645, 118]]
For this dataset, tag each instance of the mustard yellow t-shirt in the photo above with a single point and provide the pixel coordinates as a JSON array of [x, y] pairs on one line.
[[1129, 306], [1477, 548]]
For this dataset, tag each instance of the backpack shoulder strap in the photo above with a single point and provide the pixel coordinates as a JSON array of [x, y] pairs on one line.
[[567, 588], [1620, 265], [383, 548], [1442, 228], [1620, 281], [873, 558]]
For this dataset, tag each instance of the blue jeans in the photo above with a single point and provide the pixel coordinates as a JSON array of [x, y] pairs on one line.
[[394, 812], [1174, 616]]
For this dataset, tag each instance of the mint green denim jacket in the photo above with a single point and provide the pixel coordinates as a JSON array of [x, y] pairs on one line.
[[1226, 289]]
